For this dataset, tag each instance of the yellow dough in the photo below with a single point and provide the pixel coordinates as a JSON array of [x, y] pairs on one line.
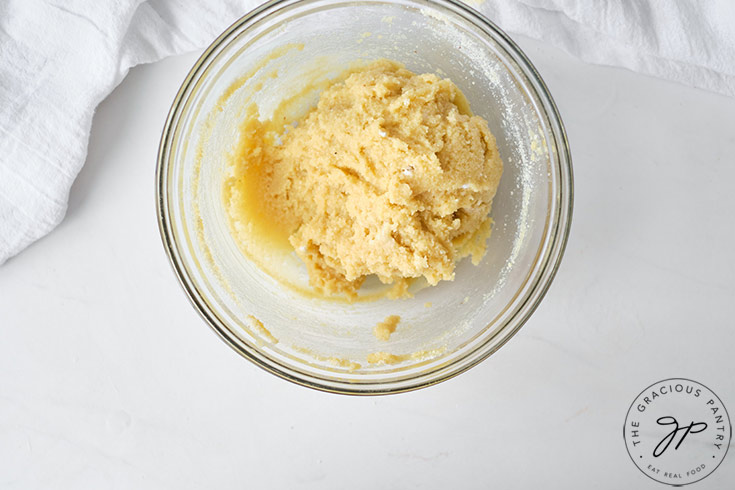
[[384, 329], [389, 174]]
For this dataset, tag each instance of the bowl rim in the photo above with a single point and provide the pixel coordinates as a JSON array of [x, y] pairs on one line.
[[558, 232]]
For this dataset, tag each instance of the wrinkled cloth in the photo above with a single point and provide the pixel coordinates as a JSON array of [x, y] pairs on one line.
[[59, 59]]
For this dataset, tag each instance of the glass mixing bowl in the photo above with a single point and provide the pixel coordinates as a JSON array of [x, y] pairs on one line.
[[282, 48]]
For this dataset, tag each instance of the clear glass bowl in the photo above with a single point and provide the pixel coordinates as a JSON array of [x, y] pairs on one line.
[[269, 55]]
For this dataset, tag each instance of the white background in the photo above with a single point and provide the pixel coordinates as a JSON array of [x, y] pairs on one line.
[[109, 378]]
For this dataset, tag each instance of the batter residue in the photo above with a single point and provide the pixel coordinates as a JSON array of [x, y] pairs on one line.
[[384, 329]]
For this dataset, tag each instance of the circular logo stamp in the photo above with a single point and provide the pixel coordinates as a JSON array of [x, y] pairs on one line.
[[677, 431]]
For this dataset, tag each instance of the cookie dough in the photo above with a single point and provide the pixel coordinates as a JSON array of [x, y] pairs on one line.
[[384, 329], [388, 358], [390, 174]]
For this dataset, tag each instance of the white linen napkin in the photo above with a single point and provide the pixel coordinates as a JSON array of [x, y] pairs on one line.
[[691, 42], [60, 58]]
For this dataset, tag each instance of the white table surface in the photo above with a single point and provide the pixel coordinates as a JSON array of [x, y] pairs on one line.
[[110, 379]]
